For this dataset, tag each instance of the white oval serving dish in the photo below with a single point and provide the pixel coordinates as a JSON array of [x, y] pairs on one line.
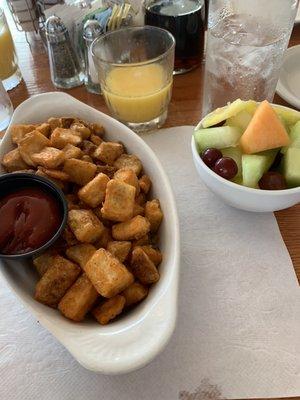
[[135, 339], [241, 197]]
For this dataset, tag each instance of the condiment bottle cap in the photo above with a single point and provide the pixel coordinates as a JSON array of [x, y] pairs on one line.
[[91, 29], [54, 27]]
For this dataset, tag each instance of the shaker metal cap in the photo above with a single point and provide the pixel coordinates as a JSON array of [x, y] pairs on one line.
[[54, 26], [92, 29]]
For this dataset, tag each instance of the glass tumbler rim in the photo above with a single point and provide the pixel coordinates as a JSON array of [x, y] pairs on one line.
[[98, 59]]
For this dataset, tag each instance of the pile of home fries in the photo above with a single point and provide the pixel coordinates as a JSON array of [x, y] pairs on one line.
[[107, 257]]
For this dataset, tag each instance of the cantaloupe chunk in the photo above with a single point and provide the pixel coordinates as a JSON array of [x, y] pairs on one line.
[[265, 131]]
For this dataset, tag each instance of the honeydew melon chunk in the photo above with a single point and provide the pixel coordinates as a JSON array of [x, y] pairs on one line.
[[236, 154], [294, 136], [223, 113], [289, 116], [295, 131], [295, 144], [241, 120], [219, 137], [291, 166], [255, 165]]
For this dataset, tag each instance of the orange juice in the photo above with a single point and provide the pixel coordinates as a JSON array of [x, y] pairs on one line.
[[137, 93], [8, 64]]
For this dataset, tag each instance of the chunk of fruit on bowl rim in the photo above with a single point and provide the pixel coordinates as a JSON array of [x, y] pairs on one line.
[[264, 132], [255, 165], [218, 138], [291, 166], [223, 113], [236, 154]]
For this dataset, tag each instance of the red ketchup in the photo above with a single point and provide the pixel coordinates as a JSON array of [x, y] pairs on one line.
[[29, 217]]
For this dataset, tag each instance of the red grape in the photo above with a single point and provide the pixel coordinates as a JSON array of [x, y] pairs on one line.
[[272, 181], [226, 167], [211, 156]]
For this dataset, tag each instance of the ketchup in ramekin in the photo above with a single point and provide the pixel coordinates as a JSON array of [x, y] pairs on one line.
[[32, 213]]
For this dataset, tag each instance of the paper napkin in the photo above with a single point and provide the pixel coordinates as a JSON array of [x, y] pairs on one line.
[[238, 328]]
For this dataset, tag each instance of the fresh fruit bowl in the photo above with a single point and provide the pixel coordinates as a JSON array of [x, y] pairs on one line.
[[243, 191]]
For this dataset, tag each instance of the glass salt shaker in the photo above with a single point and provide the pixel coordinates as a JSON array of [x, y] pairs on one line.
[[91, 31], [64, 64]]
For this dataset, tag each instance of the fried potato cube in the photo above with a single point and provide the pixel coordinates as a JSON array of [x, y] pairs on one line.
[[85, 225], [71, 151], [45, 129], [83, 130], [55, 173], [48, 157], [87, 158], [32, 143], [12, 161], [145, 183], [154, 254], [27, 171], [133, 229], [54, 123], [120, 250], [69, 237], [107, 273], [97, 129], [138, 210], [61, 184], [153, 214], [88, 147], [60, 137], [19, 131], [109, 309], [129, 161], [105, 238], [72, 201], [56, 281], [81, 253], [143, 241], [108, 152], [135, 293], [93, 193], [119, 201], [128, 176], [107, 170], [80, 172], [79, 299], [44, 261], [141, 199], [96, 140], [66, 122], [143, 268]]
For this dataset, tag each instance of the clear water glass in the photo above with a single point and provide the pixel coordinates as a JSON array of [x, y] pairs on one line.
[[6, 108], [135, 67], [246, 42]]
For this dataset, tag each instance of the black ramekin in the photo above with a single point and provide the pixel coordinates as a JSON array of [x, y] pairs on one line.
[[14, 181]]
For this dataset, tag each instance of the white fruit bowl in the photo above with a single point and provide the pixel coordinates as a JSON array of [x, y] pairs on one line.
[[135, 339], [242, 197]]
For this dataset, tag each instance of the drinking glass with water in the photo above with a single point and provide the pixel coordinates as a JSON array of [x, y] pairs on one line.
[[245, 47]]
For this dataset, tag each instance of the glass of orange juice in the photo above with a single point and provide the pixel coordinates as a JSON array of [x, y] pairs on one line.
[[135, 67], [9, 70]]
